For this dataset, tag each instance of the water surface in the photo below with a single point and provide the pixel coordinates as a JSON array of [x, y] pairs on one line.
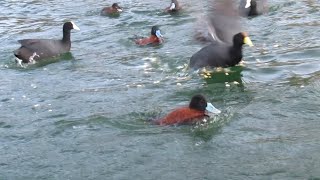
[[82, 116]]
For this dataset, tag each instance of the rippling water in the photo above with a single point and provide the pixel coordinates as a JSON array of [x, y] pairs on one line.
[[83, 115]]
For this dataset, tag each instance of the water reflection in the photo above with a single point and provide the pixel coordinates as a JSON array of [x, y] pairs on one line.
[[225, 75]]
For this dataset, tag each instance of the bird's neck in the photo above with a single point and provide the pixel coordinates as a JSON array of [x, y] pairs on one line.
[[236, 54], [66, 36], [253, 12]]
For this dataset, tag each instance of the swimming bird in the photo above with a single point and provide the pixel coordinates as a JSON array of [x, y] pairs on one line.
[[154, 38], [221, 22], [225, 36], [32, 50], [249, 8], [174, 7], [220, 54], [113, 10], [198, 108]]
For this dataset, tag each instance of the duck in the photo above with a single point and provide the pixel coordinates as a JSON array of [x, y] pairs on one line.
[[198, 109], [115, 9], [251, 8], [221, 54], [154, 38], [174, 7], [33, 50]]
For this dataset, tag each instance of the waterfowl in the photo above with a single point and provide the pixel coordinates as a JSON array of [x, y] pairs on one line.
[[114, 9], [155, 37], [220, 24], [174, 7], [249, 8], [221, 54], [37, 49], [226, 38], [198, 108]]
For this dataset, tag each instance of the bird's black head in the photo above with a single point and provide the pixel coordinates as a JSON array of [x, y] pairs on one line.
[[116, 6], [174, 5], [156, 31], [253, 4], [238, 39], [198, 102], [253, 9], [241, 38], [70, 25]]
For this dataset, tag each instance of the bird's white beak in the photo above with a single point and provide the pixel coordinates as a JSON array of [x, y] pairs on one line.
[[75, 26], [248, 4], [158, 34], [210, 108], [173, 6]]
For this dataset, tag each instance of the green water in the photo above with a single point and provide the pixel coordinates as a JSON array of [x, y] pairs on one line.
[[83, 115]]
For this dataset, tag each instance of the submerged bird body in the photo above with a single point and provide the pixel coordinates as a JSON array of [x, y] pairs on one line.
[[38, 49]]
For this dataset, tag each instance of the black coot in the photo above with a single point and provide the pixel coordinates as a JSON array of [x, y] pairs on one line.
[[226, 37], [37, 49], [220, 54], [249, 8]]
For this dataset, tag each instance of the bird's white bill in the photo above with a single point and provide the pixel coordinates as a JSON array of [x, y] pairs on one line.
[[119, 10], [75, 26], [210, 108], [158, 34], [248, 4], [173, 6]]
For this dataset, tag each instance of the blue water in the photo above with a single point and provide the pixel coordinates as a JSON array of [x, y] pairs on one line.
[[83, 115]]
